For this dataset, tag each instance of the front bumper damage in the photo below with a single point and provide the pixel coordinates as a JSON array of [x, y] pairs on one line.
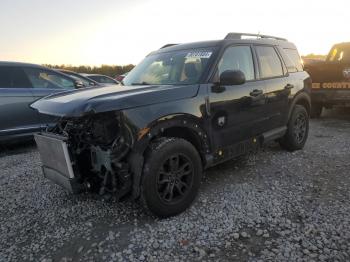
[[88, 154]]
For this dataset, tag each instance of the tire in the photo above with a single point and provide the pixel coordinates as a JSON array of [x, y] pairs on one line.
[[171, 176], [297, 130], [316, 110]]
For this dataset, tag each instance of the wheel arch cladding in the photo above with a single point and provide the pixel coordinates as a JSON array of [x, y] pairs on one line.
[[302, 99], [180, 126]]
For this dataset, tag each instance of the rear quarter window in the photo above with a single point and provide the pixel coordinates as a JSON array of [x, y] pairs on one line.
[[292, 60]]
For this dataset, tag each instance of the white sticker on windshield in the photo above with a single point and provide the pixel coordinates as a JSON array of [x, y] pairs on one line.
[[199, 54]]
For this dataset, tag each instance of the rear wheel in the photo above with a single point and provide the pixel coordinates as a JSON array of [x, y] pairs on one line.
[[171, 176], [316, 110], [297, 129]]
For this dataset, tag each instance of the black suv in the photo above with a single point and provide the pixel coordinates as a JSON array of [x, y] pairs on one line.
[[183, 109]]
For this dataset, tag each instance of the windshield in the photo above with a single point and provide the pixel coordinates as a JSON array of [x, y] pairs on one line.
[[171, 68], [340, 53]]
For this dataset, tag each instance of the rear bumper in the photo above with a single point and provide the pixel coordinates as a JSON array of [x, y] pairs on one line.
[[56, 162]]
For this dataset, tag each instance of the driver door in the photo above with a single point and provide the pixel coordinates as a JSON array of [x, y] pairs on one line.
[[236, 111]]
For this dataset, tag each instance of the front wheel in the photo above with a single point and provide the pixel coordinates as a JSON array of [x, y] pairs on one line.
[[171, 176], [297, 129]]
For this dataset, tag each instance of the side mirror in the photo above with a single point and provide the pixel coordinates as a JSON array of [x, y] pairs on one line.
[[78, 84], [230, 78]]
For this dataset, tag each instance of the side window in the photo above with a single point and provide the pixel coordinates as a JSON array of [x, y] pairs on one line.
[[333, 54], [5, 77], [238, 58], [270, 63], [13, 77], [294, 64], [19, 79], [41, 78], [83, 80], [107, 80]]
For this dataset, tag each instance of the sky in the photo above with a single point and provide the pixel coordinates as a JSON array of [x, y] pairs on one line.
[[87, 32]]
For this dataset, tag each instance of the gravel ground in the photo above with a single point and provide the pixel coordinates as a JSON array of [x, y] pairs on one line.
[[272, 205]]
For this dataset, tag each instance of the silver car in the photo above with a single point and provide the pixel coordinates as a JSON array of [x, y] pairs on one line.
[[20, 85]]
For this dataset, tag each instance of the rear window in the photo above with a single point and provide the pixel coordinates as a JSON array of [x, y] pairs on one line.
[[293, 61]]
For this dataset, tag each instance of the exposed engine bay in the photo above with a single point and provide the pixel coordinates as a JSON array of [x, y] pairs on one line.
[[98, 146]]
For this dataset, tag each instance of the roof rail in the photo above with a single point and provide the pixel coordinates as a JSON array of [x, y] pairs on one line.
[[167, 45], [240, 35]]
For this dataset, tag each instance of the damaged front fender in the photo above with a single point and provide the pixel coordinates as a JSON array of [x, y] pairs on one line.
[[183, 126]]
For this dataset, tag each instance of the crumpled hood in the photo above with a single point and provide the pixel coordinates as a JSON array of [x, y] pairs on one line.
[[76, 103]]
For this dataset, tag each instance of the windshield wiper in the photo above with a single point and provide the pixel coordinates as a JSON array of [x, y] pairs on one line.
[[140, 84]]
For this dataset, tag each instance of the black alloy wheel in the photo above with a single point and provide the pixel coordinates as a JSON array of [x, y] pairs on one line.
[[171, 176], [297, 129], [175, 178], [300, 127]]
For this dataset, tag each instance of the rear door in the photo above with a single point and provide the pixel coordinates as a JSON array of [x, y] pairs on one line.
[[277, 88], [16, 116], [46, 82]]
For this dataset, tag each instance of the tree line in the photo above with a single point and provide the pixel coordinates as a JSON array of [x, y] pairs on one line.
[[114, 70], [109, 70]]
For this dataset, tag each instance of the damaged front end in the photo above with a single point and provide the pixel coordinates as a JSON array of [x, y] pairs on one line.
[[89, 153]]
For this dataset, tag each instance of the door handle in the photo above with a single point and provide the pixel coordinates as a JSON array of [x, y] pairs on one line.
[[288, 87], [256, 92]]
